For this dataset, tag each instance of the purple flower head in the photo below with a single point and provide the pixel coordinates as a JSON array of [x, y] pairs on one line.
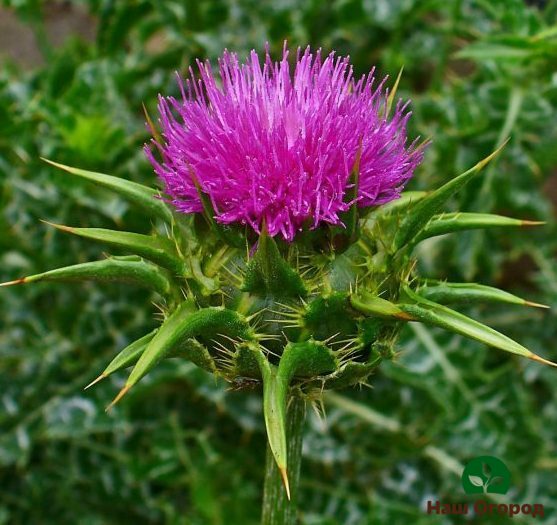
[[275, 148]]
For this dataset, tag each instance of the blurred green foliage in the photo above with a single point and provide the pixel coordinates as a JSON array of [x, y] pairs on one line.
[[182, 449]]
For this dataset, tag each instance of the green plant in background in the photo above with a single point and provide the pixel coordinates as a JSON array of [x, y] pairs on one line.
[[321, 308], [439, 404]]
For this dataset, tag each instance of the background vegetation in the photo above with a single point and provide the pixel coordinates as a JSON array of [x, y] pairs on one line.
[[182, 449]]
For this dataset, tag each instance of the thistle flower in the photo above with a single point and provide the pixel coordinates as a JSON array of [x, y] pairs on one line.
[[273, 147], [301, 317]]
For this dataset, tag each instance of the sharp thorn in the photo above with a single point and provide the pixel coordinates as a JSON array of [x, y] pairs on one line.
[[11, 283], [51, 162], [533, 223], [94, 382], [536, 305], [58, 226], [481, 164], [120, 395], [284, 476], [535, 357]]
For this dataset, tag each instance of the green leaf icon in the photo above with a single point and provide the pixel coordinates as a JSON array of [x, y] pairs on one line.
[[476, 481], [496, 481], [486, 475]]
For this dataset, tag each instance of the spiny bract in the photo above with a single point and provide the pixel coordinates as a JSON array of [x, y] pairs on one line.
[[320, 312]]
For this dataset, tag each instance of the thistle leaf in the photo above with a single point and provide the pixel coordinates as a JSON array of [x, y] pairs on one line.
[[435, 314], [124, 269], [191, 350], [154, 248], [268, 274], [447, 293], [129, 355], [186, 323], [454, 222], [376, 306], [138, 194], [419, 215], [307, 358], [275, 390], [126, 357]]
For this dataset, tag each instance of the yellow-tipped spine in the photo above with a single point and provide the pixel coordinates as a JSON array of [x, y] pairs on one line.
[[95, 381], [120, 395], [284, 476]]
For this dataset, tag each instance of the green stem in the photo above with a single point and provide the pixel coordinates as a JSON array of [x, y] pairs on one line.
[[277, 510]]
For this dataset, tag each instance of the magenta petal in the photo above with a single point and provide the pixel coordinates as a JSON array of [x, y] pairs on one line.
[[275, 145]]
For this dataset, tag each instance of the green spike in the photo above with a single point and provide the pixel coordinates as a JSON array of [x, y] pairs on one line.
[[124, 269], [376, 306], [183, 324], [428, 312], [142, 196], [268, 274], [191, 350], [275, 391], [454, 222], [435, 314], [447, 293], [419, 215], [126, 357], [307, 358], [153, 248]]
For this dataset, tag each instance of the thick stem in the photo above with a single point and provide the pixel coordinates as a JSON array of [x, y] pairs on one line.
[[277, 510]]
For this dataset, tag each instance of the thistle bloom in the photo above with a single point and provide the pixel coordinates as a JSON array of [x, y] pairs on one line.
[[268, 147]]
